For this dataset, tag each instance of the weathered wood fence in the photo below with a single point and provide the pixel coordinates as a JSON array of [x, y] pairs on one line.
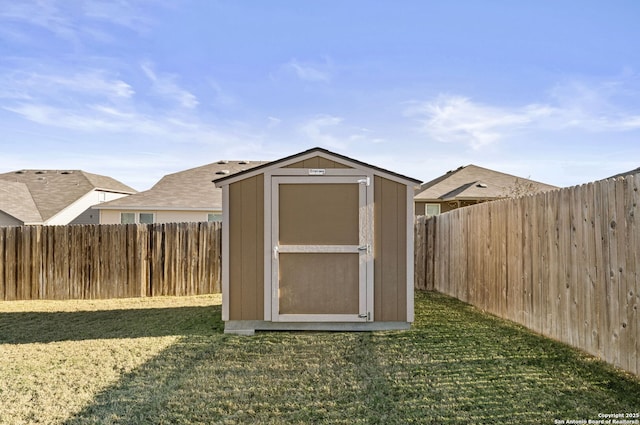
[[109, 261], [563, 263]]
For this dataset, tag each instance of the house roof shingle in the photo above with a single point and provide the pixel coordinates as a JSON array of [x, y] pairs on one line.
[[54, 190], [185, 190], [473, 183]]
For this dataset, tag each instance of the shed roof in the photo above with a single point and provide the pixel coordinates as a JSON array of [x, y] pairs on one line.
[[472, 182], [185, 190], [54, 190], [222, 181]]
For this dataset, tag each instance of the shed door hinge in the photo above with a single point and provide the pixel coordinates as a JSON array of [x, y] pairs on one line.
[[365, 181]]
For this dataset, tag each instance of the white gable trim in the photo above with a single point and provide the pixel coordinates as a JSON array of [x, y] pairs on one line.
[[281, 164]]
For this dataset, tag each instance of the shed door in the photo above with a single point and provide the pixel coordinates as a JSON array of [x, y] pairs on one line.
[[322, 232]]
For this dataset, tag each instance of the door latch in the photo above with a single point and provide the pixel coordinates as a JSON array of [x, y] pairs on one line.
[[366, 248], [366, 315]]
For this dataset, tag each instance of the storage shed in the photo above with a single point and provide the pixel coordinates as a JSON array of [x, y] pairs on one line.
[[317, 241]]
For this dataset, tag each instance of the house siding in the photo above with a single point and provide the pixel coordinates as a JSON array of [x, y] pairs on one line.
[[113, 216]]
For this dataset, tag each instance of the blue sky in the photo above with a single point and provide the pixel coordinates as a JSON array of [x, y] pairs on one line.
[[136, 89]]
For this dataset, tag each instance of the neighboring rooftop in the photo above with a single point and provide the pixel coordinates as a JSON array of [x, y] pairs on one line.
[[185, 190], [51, 191], [474, 183], [628, 173], [16, 200]]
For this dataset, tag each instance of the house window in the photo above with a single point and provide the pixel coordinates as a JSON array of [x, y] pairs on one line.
[[131, 218], [146, 218], [127, 218], [432, 209], [211, 217]]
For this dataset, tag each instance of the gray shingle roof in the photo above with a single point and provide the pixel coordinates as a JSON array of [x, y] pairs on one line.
[[185, 190], [626, 173], [472, 182], [54, 190]]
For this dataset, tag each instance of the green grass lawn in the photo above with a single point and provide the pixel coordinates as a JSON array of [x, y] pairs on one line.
[[166, 361]]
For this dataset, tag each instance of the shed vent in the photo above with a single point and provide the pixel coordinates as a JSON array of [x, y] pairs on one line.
[[66, 172], [244, 162], [41, 172], [482, 185], [223, 161], [222, 172]]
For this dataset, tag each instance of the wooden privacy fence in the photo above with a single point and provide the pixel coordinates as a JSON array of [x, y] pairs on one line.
[[109, 261], [562, 263]]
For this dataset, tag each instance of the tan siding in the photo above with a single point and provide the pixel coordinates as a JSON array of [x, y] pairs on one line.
[[390, 270], [317, 162], [246, 241]]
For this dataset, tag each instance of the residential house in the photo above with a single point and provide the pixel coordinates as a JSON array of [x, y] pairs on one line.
[[185, 196], [470, 185], [55, 197], [627, 173]]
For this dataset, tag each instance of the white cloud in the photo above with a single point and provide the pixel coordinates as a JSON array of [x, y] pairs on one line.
[[316, 130], [597, 106], [309, 72], [75, 21], [93, 119], [331, 132], [43, 14], [273, 122], [92, 83], [456, 119], [165, 85], [575, 105], [125, 13]]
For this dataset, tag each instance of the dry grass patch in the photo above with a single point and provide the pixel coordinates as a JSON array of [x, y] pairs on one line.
[[57, 356]]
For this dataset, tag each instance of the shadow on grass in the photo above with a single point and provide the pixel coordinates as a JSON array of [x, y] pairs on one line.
[[43, 327], [456, 365]]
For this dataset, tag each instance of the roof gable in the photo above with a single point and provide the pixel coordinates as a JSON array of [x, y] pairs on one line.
[[473, 182], [54, 190], [299, 158], [185, 190], [16, 201]]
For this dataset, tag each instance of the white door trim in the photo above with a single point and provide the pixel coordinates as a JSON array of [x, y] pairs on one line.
[[365, 248]]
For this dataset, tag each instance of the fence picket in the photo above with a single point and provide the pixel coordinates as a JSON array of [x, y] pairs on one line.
[[563, 263], [109, 261]]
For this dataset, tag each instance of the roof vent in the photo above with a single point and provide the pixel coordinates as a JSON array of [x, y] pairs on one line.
[[41, 172], [222, 172], [66, 172], [482, 185], [223, 161], [243, 162], [20, 172]]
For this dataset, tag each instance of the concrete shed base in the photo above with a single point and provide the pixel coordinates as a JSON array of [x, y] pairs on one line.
[[248, 327]]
